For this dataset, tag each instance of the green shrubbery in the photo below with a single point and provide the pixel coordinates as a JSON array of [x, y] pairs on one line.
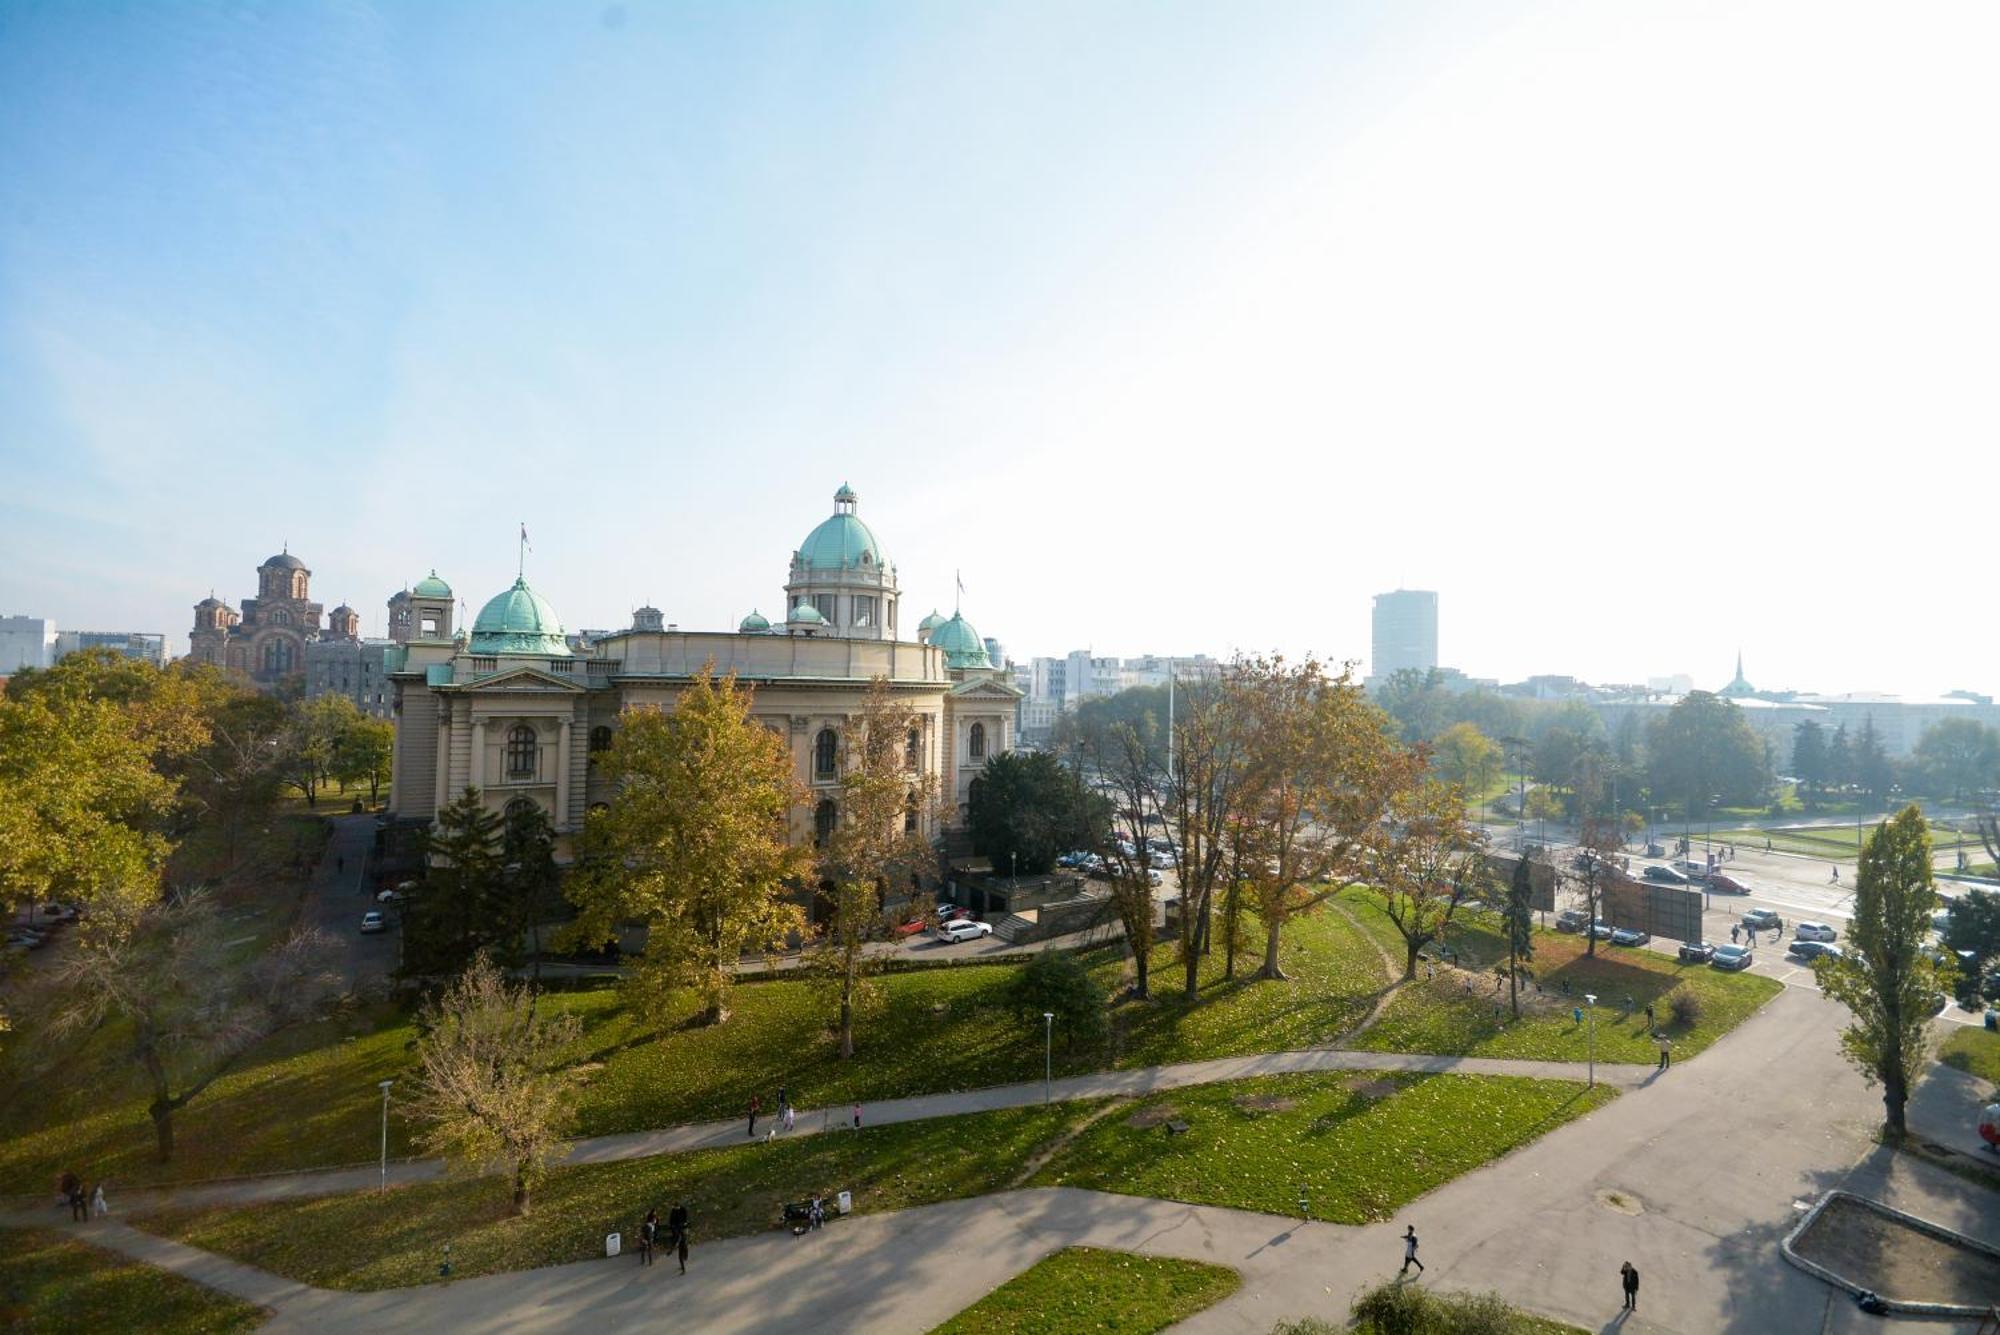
[[1395, 1308]]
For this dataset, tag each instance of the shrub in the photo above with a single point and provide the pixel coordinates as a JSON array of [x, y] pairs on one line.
[[1057, 982], [1409, 1309], [1306, 1325], [1685, 1006]]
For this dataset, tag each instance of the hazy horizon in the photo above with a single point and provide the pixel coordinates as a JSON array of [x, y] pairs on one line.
[[1641, 334]]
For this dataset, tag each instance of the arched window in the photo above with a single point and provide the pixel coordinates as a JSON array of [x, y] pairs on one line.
[[825, 816], [279, 657], [913, 750], [520, 752], [521, 810], [280, 617], [826, 755], [979, 741], [600, 738]]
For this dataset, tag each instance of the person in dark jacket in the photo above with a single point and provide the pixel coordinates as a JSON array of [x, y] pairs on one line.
[[677, 1233], [1630, 1275], [649, 1232]]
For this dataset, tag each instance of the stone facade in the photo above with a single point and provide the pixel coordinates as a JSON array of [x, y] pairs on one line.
[[267, 640]]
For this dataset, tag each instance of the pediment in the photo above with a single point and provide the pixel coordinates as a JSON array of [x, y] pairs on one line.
[[997, 691], [521, 680]]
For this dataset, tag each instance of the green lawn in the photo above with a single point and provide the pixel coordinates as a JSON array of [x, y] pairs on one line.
[[310, 1098], [1973, 1050], [370, 1240], [51, 1283], [1441, 1016], [1083, 1288], [1362, 1144], [1830, 841]]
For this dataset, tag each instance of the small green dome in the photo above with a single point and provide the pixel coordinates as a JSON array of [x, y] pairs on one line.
[[519, 621], [931, 622], [961, 644], [430, 586], [806, 614], [753, 623], [841, 541]]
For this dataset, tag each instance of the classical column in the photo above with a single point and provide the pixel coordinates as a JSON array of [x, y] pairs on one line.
[[475, 764], [562, 776], [443, 766]]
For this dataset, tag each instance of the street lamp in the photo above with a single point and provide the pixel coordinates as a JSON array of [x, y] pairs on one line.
[[385, 1132], [1590, 1000], [1048, 1056]]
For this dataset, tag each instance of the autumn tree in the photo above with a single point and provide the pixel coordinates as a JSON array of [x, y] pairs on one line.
[[887, 806], [1887, 978], [1206, 797], [309, 748], [1430, 861], [1127, 753], [362, 752], [1467, 757], [1518, 920], [166, 978], [1320, 768], [694, 843], [493, 1090]]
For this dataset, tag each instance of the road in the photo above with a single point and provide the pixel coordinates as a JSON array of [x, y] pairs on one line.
[[337, 896]]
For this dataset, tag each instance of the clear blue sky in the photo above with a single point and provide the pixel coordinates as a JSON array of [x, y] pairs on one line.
[[1638, 331]]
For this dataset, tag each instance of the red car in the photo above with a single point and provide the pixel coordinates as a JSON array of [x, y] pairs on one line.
[[1727, 884]]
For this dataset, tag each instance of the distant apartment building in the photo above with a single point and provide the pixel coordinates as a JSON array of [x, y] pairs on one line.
[[26, 642], [142, 645], [355, 668], [1405, 633]]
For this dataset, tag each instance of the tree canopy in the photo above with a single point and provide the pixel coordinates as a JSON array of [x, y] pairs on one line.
[[1028, 808]]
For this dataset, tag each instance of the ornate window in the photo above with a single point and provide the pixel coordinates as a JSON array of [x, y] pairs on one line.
[[828, 605], [600, 738], [978, 745], [521, 752], [522, 810], [825, 816], [279, 657], [280, 617], [826, 755], [864, 610], [913, 750]]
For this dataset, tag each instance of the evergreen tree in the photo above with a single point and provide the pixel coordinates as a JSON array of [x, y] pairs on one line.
[[1840, 758], [1519, 921], [1809, 760], [460, 906], [1872, 769]]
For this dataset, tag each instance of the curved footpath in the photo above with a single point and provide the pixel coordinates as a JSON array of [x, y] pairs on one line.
[[1694, 1179]]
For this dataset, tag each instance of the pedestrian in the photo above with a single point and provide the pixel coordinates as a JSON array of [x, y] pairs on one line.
[[1649, 1015], [754, 1109], [788, 1116], [857, 1117], [99, 1207], [1410, 1251], [649, 1229], [781, 1096], [1666, 1051], [1630, 1277], [1836, 875], [66, 1188], [1732, 933], [816, 1213], [677, 1233], [79, 1205]]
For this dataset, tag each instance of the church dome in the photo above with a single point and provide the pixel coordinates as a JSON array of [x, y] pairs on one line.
[[519, 621], [754, 623], [430, 586], [343, 611], [805, 614], [961, 644], [841, 541], [931, 622], [284, 561]]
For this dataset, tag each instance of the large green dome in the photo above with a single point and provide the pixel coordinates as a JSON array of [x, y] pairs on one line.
[[519, 621], [961, 644], [842, 540]]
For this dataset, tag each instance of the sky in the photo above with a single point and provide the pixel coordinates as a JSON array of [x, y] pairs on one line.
[[1643, 333]]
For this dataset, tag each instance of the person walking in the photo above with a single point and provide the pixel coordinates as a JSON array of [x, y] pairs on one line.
[[1732, 933], [788, 1116], [857, 1117], [99, 1207], [1410, 1251], [649, 1229], [66, 1189], [755, 1107], [677, 1233], [1629, 1276], [1666, 1051]]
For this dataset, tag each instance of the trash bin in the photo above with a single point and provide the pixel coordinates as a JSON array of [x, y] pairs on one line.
[[846, 1199], [613, 1242]]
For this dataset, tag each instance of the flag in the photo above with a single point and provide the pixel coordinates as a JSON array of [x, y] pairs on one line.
[[524, 537]]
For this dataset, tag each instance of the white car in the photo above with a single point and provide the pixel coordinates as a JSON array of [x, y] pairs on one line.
[[392, 896], [964, 929], [371, 921], [1814, 931]]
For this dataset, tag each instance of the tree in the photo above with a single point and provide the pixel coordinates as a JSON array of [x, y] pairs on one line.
[[311, 741], [1957, 757], [1028, 809], [189, 1010], [460, 907], [1127, 754], [694, 842], [362, 753], [1703, 747], [1429, 863], [1417, 701], [232, 782], [1518, 919], [492, 1089], [887, 806], [1809, 760], [1321, 767], [1467, 757], [528, 876], [1974, 925], [1886, 978], [1839, 758], [1872, 768], [1057, 983]]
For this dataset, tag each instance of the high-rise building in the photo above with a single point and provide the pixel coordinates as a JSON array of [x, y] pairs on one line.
[[1405, 633], [26, 642], [142, 645]]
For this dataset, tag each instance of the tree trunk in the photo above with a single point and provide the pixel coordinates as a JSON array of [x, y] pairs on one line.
[[1191, 966], [1894, 1097], [847, 1017], [162, 1111], [1271, 969], [1141, 960], [1229, 911], [1514, 984], [1412, 946], [520, 1189]]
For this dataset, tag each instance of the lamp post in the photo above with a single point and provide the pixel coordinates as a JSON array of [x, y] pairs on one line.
[[1048, 1056], [385, 1131], [1590, 1000]]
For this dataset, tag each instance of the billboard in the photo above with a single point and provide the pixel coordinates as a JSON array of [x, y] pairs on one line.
[[1662, 910], [1541, 879]]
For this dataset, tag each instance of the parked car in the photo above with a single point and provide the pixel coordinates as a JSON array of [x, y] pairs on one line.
[[1665, 874], [964, 929], [56, 912], [1629, 936], [1600, 929], [1160, 861], [1731, 958], [1812, 950], [372, 921], [1763, 920], [1729, 885], [390, 896], [25, 940], [1696, 952], [1815, 931], [1572, 920], [1694, 871]]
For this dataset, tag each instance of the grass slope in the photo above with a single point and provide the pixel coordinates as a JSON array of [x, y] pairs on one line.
[[1973, 1050], [1083, 1288], [1360, 1145], [51, 1283]]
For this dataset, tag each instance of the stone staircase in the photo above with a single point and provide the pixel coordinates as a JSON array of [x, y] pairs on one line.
[[1017, 926]]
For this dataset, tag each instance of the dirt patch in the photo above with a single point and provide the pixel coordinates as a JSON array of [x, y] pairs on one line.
[[1895, 1260], [1624, 1202], [1372, 1087], [1158, 1114], [1263, 1103]]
